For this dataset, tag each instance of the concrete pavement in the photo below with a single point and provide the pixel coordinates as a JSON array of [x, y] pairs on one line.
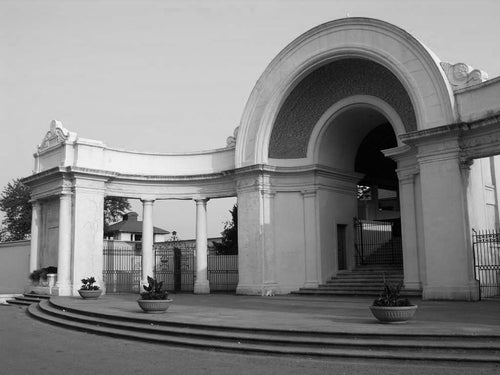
[[304, 313]]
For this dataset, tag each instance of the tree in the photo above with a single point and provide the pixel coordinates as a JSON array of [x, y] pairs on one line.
[[229, 243], [15, 203], [114, 208]]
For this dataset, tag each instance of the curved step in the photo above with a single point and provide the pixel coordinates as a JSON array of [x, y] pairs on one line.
[[416, 347]]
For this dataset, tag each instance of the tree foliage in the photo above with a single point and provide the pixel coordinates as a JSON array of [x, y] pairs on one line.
[[15, 203], [114, 208], [229, 243]]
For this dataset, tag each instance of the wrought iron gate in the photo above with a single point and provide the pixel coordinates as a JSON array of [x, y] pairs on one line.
[[122, 267], [486, 250], [375, 243], [173, 265]]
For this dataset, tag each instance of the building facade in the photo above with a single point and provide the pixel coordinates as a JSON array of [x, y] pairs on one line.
[[352, 104]]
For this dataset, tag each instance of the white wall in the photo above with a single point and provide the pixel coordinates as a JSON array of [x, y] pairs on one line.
[[14, 266]]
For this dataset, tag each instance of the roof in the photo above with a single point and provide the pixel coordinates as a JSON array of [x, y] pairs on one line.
[[130, 224]]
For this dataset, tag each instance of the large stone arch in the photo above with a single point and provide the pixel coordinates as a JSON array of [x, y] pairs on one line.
[[411, 63]]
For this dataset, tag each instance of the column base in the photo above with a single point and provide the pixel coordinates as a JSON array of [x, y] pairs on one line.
[[251, 290], [311, 284], [468, 292], [202, 288], [413, 285], [62, 290]]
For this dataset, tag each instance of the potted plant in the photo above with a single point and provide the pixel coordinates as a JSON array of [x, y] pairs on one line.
[[88, 290], [390, 307], [39, 276], [154, 299]]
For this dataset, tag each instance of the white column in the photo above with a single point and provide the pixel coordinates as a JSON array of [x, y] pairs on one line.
[[147, 239], [63, 286], [36, 216], [201, 285]]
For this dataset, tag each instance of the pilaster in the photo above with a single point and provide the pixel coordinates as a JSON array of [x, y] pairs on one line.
[[88, 229], [63, 285], [36, 218], [448, 253], [311, 240], [256, 248]]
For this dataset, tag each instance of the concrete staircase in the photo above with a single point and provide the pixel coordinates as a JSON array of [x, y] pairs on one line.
[[28, 299], [484, 349], [362, 281]]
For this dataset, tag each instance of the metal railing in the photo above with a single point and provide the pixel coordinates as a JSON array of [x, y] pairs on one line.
[[486, 252], [175, 266], [375, 243]]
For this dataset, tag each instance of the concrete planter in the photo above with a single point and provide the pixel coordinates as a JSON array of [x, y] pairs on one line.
[[154, 306], [393, 314], [90, 294]]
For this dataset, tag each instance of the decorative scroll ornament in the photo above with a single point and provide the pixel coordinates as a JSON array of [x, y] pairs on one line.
[[461, 75], [56, 135], [231, 141]]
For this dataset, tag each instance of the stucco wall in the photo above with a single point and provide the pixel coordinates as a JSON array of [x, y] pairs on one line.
[[335, 208], [14, 266], [290, 240]]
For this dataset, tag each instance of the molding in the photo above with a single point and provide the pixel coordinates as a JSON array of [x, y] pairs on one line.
[[57, 135], [461, 75]]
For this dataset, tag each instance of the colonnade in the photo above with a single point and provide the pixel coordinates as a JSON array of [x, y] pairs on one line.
[[67, 274]]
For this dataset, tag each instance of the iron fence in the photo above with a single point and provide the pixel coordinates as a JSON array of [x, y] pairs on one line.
[[486, 251], [122, 268], [174, 265], [223, 272], [375, 243]]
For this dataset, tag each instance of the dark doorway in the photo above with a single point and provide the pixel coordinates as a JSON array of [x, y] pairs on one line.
[[341, 246]]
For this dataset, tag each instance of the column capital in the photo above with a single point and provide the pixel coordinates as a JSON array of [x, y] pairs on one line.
[[35, 202], [407, 175], [309, 193], [200, 200], [147, 199]]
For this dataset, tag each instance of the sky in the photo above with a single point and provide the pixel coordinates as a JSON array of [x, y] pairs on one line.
[[174, 76]]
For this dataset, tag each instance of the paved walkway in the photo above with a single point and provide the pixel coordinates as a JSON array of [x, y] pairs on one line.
[[305, 313], [28, 345]]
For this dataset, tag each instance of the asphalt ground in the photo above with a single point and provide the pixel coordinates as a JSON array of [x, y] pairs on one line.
[[28, 345]]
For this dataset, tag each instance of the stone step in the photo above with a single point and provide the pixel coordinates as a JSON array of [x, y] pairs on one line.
[[27, 299], [36, 295], [272, 341], [362, 280], [352, 292]]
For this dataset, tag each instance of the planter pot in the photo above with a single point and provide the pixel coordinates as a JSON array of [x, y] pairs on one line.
[[154, 306], [397, 314], [90, 294]]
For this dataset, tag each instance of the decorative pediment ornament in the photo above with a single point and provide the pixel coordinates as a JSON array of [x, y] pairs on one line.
[[461, 75], [231, 141], [56, 135]]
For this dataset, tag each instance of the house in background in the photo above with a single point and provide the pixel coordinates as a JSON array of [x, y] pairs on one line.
[[130, 229]]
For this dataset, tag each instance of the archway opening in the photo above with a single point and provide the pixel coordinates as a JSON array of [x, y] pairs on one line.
[[352, 142], [378, 223]]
